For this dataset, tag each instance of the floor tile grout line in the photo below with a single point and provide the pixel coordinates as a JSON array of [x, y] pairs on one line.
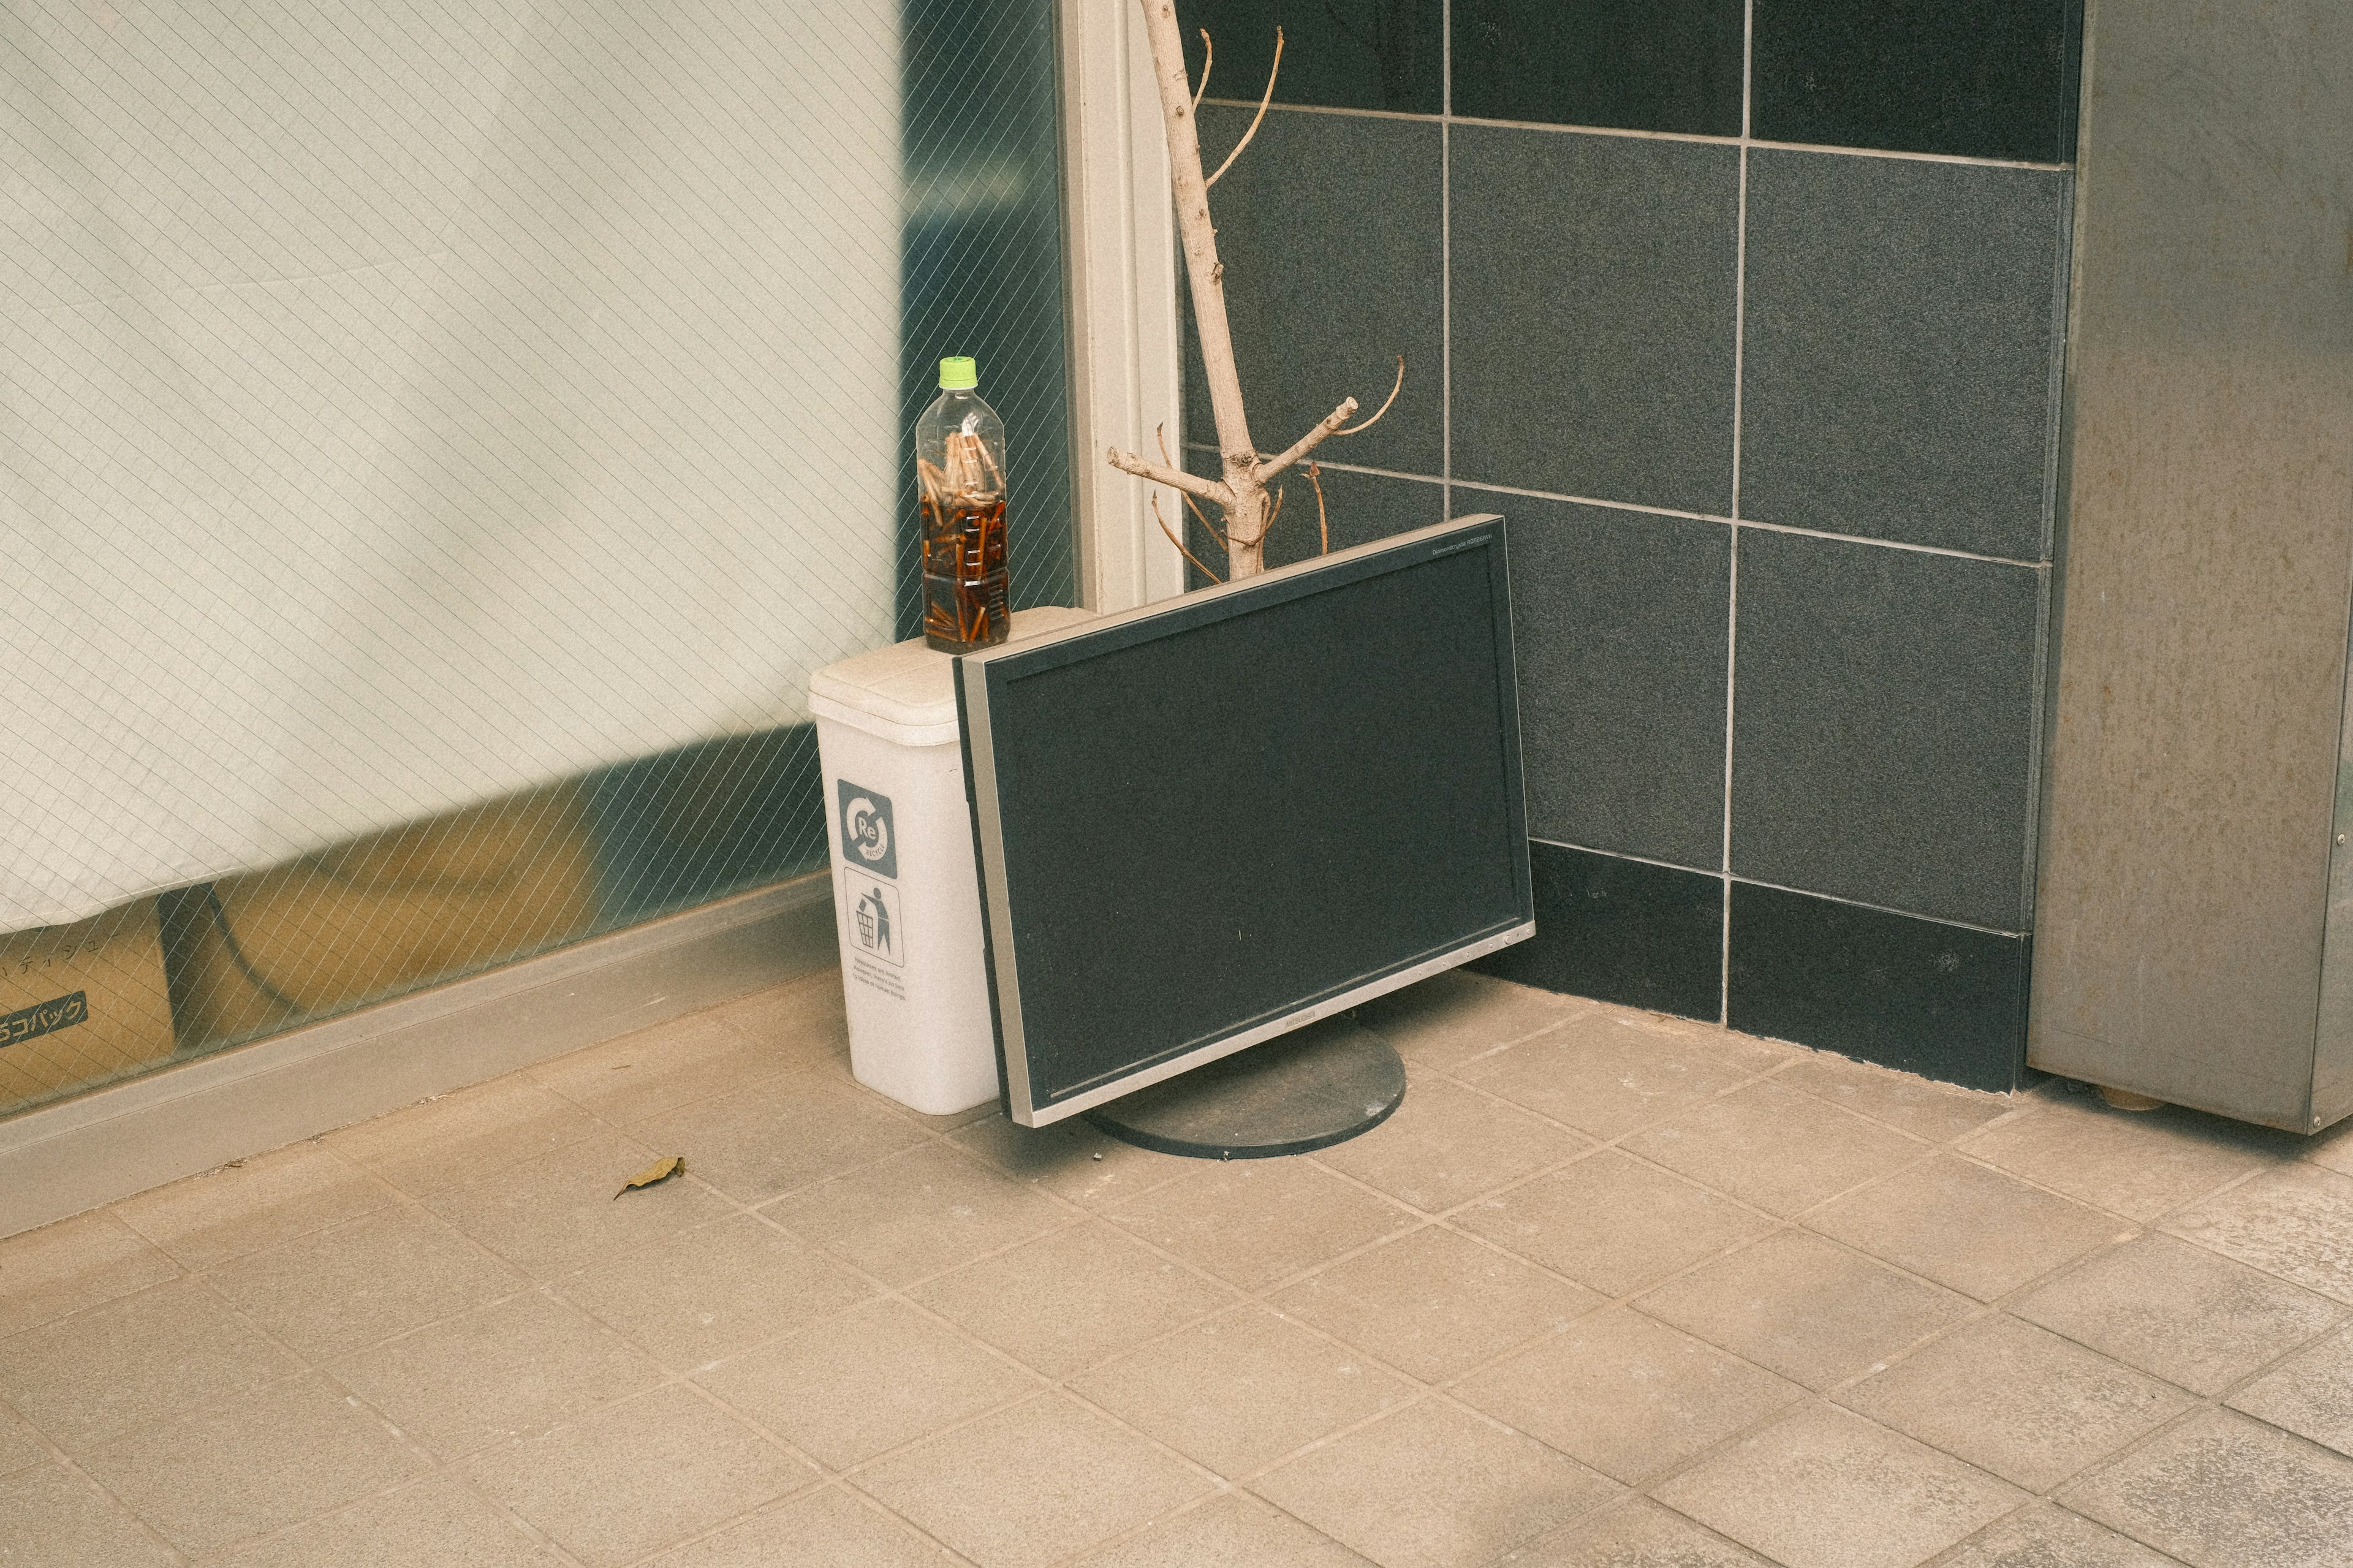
[[2005, 1304], [1778, 1069], [56, 1453], [1573, 1455], [179, 1270], [1250, 1479], [1135, 1532], [669, 1378], [831, 1483], [1044, 1384], [2154, 1222], [393, 1194], [1277, 1285], [434, 1463], [1617, 1142], [756, 1209], [1261, 1299], [1776, 1224], [2199, 1406], [1827, 1397], [139, 1521], [2001, 1307], [1772, 1070], [438, 1469], [848, 1473]]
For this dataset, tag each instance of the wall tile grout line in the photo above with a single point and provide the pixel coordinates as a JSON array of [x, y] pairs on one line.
[[1639, 508], [1628, 133], [1720, 874], [1446, 258], [1763, 527], [1325, 463], [1732, 566]]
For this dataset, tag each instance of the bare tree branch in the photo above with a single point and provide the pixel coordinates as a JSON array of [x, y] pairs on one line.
[[1384, 408], [1323, 523], [1208, 59], [1309, 442], [1175, 478], [1274, 72], [1160, 434], [1180, 544]]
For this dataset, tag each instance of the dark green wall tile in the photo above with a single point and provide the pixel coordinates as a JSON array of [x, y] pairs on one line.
[[1621, 620], [1884, 719], [1336, 54], [1330, 274], [1593, 316], [1621, 931], [1664, 64], [1904, 320], [1978, 78], [1942, 1001]]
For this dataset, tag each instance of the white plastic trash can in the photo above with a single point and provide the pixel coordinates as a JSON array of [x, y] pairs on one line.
[[906, 899]]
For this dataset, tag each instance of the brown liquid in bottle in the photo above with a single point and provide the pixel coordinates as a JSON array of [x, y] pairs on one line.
[[966, 587]]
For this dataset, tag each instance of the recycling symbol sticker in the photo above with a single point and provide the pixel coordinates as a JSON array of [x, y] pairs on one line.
[[867, 840]]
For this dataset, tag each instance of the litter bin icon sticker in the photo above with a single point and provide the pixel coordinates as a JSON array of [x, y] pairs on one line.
[[867, 841], [876, 927]]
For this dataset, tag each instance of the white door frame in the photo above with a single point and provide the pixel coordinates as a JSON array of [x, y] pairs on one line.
[[1118, 227]]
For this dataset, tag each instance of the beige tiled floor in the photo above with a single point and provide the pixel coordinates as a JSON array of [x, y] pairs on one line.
[[1610, 1291]]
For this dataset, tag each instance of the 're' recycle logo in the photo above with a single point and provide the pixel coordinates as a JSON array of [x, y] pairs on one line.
[[866, 836]]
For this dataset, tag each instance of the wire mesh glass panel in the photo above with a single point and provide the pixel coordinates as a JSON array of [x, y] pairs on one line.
[[984, 273], [440, 441]]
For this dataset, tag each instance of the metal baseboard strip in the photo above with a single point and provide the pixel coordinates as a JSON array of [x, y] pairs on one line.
[[61, 1160]]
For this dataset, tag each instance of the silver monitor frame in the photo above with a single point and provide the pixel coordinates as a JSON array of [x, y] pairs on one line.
[[997, 912]]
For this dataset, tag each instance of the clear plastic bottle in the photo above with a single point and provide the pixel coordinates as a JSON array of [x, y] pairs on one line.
[[960, 483]]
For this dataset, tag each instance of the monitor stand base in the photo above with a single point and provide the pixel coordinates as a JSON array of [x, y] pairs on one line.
[[1309, 1089]]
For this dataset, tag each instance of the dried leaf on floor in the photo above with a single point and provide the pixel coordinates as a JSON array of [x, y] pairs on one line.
[[659, 1170]]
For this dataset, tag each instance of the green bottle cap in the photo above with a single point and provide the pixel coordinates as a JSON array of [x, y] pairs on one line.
[[958, 374]]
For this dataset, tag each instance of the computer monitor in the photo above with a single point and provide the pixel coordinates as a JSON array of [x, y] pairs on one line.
[[1209, 821]]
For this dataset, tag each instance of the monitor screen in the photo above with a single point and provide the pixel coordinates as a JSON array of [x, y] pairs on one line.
[[1214, 820]]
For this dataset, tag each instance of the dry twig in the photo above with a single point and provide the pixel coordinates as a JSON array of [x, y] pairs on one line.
[[1180, 544], [1215, 532], [1274, 71], [1208, 59], [1327, 425], [1323, 523], [1175, 478], [1396, 387]]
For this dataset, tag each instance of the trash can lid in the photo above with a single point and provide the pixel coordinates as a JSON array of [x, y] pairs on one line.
[[906, 693]]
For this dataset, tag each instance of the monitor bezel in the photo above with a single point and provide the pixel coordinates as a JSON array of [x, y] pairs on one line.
[[1174, 617]]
